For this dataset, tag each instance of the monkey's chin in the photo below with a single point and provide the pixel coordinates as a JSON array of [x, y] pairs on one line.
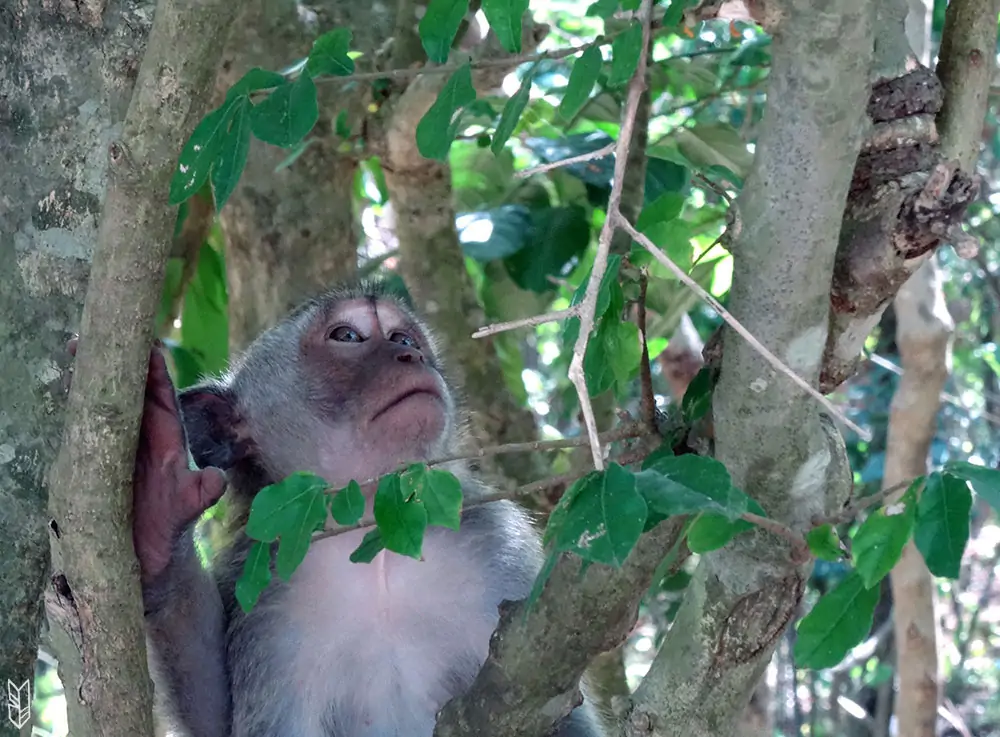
[[412, 428]]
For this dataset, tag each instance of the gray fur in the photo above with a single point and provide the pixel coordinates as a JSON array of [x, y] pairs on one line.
[[342, 649]]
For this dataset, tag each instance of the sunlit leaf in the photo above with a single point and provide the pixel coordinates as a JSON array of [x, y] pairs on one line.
[[437, 129], [279, 508], [879, 542], [438, 27], [294, 542], [400, 522], [329, 54], [439, 491], [511, 114], [943, 523], [839, 621], [205, 314], [504, 17], [232, 158], [663, 209], [255, 577], [602, 9], [199, 154], [825, 544], [625, 52], [581, 82], [348, 505], [287, 115], [689, 483], [604, 519]]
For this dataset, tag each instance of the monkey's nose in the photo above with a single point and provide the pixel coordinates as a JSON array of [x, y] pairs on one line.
[[409, 355]]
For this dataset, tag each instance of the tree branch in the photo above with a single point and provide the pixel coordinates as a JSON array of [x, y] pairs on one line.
[[92, 479]]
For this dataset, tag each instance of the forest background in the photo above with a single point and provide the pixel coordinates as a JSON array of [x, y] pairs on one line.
[[484, 189]]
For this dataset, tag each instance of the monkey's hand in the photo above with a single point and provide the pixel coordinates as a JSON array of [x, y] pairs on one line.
[[167, 495]]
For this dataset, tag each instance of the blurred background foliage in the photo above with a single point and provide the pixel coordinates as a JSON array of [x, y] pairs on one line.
[[528, 243]]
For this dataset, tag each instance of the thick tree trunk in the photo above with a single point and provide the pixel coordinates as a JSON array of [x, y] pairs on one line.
[[292, 233], [66, 77]]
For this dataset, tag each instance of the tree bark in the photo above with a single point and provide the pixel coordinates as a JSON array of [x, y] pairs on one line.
[[923, 334], [96, 596], [66, 77], [291, 233], [770, 436]]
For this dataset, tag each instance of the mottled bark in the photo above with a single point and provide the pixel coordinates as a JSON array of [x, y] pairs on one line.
[[433, 266], [923, 334], [66, 76], [770, 436], [95, 595], [292, 233]]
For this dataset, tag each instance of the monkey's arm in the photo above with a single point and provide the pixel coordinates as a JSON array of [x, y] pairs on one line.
[[186, 631], [185, 620]]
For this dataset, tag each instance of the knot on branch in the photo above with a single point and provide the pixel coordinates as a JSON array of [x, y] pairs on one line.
[[757, 620]]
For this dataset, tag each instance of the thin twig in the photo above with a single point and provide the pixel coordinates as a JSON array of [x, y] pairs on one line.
[[645, 374], [851, 511], [735, 325], [589, 304], [527, 322], [590, 156]]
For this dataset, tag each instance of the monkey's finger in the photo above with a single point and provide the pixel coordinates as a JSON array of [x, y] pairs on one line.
[[199, 490], [161, 414]]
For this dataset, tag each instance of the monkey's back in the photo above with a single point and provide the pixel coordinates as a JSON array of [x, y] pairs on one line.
[[374, 650]]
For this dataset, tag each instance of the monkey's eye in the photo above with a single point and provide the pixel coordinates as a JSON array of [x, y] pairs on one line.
[[404, 339], [344, 334]]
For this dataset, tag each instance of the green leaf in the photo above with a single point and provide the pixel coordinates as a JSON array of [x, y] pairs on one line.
[[984, 481], [511, 114], [602, 9], [438, 27], [604, 518], [294, 542], [697, 400], [348, 505], [437, 129], [280, 508], [613, 355], [370, 546], [400, 522], [943, 523], [581, 82], [287, 115], [675, 12], [341, 126], [439, 491], [663, 209], [254, 80], [878, 543], [232, 158], [329, 54], [205, 314], [255, 577], [824, 543], [839, 621], [504, 17], [715, 144], [625, 51], [199, 154], [685, 484]]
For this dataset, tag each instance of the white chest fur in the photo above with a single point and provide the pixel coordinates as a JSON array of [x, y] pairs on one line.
[[382, 646]]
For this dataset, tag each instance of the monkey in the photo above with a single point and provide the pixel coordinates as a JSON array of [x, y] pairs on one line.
[[350, 385]]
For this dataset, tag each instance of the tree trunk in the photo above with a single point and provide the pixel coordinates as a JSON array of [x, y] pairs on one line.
[[66, 77], [291, 233], [923, 332]]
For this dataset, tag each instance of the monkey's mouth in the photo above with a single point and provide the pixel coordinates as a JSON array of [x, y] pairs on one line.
[[409, 393]]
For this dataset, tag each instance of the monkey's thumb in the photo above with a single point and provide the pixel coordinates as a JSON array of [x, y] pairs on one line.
[[204, 489]]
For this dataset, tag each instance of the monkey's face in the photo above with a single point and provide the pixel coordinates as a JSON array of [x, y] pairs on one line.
[[348, 388], [372, 377]]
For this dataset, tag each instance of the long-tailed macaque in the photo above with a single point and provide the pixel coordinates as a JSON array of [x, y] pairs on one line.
[[348, 387]]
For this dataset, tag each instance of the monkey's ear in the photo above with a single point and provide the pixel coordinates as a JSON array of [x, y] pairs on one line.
[[216, 432]]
